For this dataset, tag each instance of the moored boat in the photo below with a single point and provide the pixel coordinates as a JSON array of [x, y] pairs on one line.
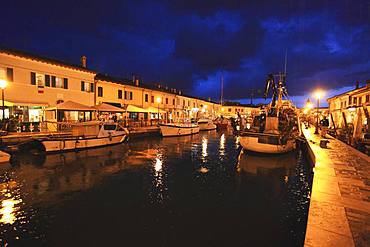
[[84, 135], [275, 130], [172, 129], [221, 123], [206, 124]]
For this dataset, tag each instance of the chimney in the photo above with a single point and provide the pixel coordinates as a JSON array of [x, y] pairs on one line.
[[357, 84], [137, 82], [179, 92], [83, 61]]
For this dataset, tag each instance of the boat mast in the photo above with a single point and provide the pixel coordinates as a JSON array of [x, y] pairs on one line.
[[222, 88]]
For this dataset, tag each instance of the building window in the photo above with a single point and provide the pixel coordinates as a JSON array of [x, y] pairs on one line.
[[229, 109], [368, 98], [9, 74], [33, 78], [65, 83], [100, 92], [152, 99], [360, 100], [87, 86], [125, 93], [349, 100], [47, 80], [146, 97], [119, 93], [178, 101], [173, 102], [59, 82], [53, 81], [166, 101], [355, 100], [183, 102], [131, 95]]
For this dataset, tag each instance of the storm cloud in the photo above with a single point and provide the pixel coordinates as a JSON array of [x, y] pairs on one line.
[[189, 44]]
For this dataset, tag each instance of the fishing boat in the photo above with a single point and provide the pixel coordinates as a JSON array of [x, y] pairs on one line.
[[221, 123], [84, 135], [276, 129], [178, 129], [206, 124]]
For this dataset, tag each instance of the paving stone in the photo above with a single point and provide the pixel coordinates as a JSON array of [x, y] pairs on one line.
[[339, 213]]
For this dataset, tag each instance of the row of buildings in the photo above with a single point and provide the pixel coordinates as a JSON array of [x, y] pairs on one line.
[[350, 110], [35, 84]]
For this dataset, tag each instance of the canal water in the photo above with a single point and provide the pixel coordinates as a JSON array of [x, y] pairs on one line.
[[199, 190]]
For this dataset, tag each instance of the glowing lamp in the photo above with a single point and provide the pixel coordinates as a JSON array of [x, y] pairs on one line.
[[159, 100], [319, 94], [3, 84]]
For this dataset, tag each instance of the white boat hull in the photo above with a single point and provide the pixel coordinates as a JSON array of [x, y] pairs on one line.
[[72, 144], [207, 126], [178, 130], [251, 144]]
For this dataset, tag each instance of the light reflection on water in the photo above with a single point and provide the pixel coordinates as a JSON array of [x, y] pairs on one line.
[[204, 147], [178, 176], [222, 144], [9, 208]]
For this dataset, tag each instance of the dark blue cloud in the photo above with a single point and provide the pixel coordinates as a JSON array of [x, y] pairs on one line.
[[187, 44]]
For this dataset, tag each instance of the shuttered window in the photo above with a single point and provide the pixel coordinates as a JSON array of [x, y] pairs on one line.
[[33, 78], [82, 86], [131, 96], [146, 97], [53, 81], [9, 74], [65, 83], [125, 94], [91, 87], [47, 80], [100, 92], [120, 94]]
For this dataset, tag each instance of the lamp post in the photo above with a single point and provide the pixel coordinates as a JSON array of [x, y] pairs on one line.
[[3, 85], [158, 101], [307, 111], [318, 95]]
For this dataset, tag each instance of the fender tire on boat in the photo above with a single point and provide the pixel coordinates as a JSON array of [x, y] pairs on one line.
[[34, 147]]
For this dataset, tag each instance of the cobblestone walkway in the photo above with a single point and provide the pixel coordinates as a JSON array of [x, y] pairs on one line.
[[339, 213]]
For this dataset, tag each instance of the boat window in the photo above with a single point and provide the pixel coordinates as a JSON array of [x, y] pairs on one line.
[[109, 127]]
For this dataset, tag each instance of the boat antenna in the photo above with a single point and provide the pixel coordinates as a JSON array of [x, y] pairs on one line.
[[286, 60], [222, 88]]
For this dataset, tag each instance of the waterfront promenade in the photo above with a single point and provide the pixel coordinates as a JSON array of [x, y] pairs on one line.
[[339, 213]]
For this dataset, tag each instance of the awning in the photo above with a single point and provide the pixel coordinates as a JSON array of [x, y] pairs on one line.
[[103, 107], [70, 106], [154, 110], [132, 108], [22, 103]]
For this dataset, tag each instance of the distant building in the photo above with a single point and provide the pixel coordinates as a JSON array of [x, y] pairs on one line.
[[35, 82], [351, 108]]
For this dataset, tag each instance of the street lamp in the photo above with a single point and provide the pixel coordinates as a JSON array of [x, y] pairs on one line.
[[318, 95], [158, 101], [3, 84]]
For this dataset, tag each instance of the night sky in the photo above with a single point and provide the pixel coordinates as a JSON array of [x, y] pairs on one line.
[[186, 44]]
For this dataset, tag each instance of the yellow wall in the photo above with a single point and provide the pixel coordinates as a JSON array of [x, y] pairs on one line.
[[21, 90]]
